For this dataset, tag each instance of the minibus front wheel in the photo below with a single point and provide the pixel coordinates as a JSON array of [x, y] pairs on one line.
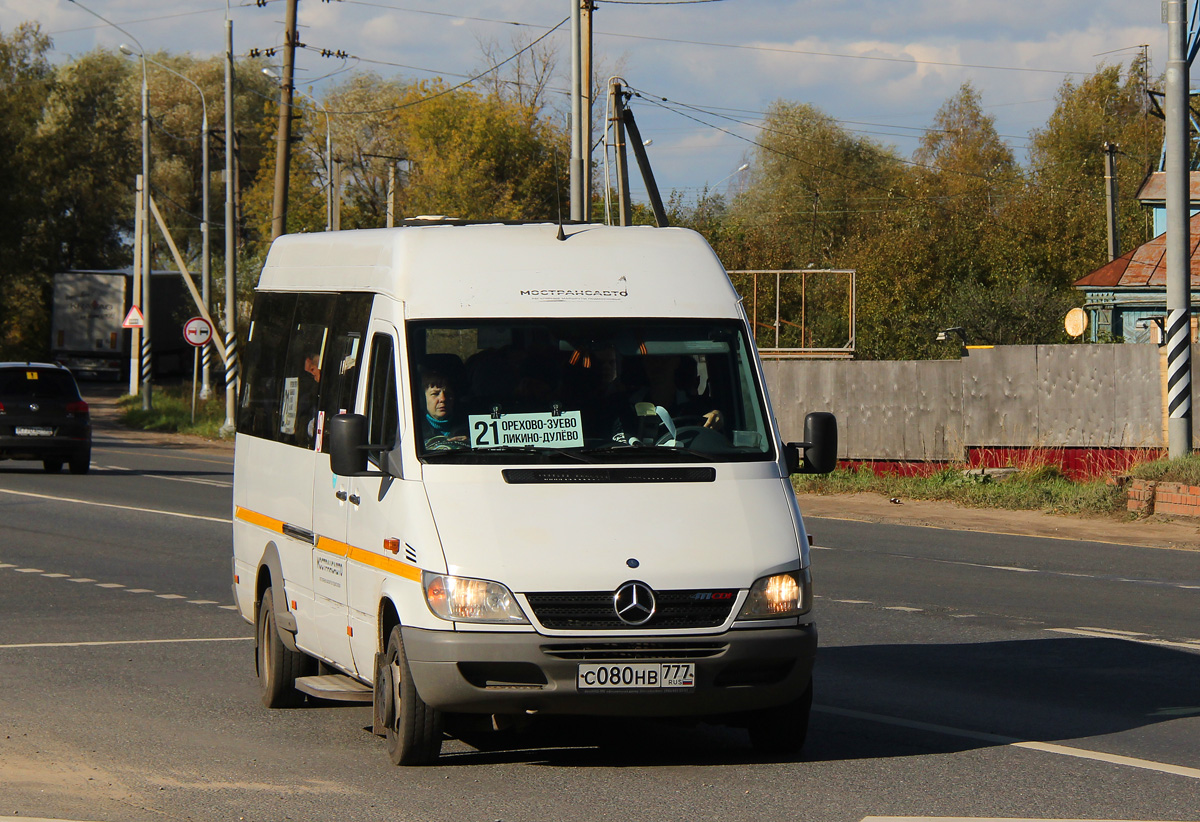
[[413, 728], [278, 667]]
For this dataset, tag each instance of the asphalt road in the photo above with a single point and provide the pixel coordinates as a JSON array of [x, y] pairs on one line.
[[960, 674]]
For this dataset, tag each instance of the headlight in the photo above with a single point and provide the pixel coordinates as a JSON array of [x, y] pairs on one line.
[[779, 595], [460, 599]]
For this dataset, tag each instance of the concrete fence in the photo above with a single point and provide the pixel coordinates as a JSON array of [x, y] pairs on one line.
[[1094, 397]]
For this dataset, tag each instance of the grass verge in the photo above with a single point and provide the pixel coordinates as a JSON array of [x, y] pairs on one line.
[[172, 412], [1038, 488]]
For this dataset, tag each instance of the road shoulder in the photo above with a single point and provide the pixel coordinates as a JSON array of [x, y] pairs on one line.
[[1154, 532]]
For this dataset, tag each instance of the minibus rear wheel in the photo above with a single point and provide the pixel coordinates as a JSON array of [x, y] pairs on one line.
[[414, 729], [278, 666], [781, 731]]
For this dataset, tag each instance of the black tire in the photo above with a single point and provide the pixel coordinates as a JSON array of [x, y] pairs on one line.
[[52, 466], [278, 667], [80, 462], [781, 731], [413, 729]]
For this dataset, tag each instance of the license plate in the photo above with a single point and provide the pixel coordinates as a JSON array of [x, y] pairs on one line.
[[636, 675], [22, 431]]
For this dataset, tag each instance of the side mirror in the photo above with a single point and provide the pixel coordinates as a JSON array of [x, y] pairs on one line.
[[818, 453], [348, 446]]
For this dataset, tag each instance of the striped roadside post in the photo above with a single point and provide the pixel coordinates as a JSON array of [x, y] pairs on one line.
[[1179, 269]]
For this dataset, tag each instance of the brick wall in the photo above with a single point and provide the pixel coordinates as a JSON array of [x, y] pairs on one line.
[[1147, 497]]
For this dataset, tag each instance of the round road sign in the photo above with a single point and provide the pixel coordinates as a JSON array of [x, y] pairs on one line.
[[197, 331], [1076, 322]]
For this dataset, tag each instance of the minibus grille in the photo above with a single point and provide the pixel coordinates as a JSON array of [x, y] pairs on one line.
[[612, 651], [594, 611]]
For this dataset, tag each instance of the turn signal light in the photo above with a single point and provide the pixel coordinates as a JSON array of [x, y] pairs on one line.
[[391, 544]]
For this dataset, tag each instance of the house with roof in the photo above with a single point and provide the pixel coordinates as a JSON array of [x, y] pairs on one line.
[[1126, 299]]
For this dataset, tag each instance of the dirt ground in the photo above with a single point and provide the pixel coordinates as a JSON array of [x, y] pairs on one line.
[[1156, 532]]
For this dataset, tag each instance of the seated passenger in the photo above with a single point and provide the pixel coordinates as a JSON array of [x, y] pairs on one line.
[[440, 430]]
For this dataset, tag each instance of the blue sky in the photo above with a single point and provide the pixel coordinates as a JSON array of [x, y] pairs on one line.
[[882, 67]]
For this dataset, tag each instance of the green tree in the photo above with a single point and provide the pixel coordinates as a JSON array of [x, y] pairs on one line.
[[26, 79]]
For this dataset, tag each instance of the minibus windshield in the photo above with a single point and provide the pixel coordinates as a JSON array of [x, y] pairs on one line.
[[569, 390]]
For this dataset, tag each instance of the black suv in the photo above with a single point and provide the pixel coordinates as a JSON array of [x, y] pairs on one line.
[[42, 417]]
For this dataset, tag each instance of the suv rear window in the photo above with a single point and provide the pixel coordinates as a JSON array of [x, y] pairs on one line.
[[37, 382]]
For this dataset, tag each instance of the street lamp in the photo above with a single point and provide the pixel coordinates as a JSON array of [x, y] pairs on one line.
[[205, 257], [739, 170], [328, 150], [708, 191]]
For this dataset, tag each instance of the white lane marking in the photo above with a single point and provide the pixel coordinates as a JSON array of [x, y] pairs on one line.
[[109, 585], [98, 643], [30, 571], [171, 596], [968, 819], [853, 601], [112, 505], [1144, 639], [151, 475], [139, 591], [55, 576], [1111, 631], [1019, 570], [902, 608], [202, 602], [1044, 747], [7, 565], [81, 579]]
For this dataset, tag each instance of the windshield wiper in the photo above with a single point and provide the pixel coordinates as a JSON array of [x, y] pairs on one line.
[[539, 450], [636, 452]]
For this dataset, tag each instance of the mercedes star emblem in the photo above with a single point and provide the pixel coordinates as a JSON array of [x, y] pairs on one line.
[[634, 603]]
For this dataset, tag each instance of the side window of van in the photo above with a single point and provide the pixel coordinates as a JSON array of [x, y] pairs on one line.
[[266, 348], [343, 353], [302, 369], [383, 413]]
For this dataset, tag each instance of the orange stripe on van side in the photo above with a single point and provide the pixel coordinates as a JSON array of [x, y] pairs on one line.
[[338, 548], [391, 566], [261, 520]]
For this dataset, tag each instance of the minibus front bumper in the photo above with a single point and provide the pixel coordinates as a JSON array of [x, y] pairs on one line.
[[505, 672]]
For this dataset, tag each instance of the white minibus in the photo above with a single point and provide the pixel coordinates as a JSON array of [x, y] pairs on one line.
[[489, 471]]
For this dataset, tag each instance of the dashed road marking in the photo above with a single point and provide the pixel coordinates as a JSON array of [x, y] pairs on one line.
[[1185, 643], [112, 586]]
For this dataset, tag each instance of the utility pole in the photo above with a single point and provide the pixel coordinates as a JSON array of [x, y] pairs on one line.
[[576, 167], [586, 9], [618, 108], [230, 426], [1110, 199], [283, 138], [1179, 274]]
